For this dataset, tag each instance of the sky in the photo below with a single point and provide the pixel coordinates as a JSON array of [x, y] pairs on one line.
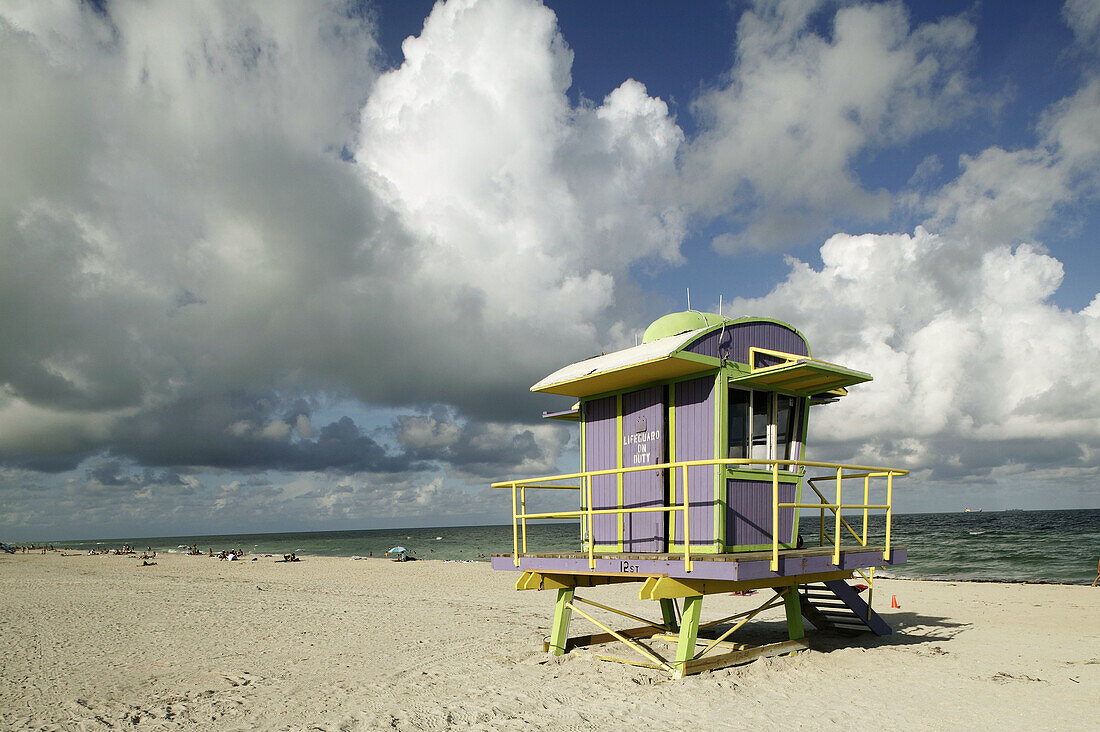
[[282, 266]]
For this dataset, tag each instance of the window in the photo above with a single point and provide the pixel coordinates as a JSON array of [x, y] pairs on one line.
[[761, 427], [764, 425], [739, 423]]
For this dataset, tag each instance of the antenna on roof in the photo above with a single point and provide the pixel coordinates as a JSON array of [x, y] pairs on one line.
[[719, 305], [689, 297]]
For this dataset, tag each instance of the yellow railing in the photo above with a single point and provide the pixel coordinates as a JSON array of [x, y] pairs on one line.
[[520, 516]]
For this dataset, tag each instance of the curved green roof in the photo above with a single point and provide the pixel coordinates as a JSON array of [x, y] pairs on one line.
[[663, 355], [676, 323], [682, 322]]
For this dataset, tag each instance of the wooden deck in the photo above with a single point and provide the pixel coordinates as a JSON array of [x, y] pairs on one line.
[[735, 567]]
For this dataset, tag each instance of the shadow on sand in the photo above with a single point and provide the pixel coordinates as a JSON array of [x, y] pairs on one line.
[[909, 628]]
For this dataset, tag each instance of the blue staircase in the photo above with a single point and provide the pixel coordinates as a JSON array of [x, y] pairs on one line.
[[837, 606]]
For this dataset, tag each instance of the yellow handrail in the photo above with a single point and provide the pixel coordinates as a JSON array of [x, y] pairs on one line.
[[520, 515]]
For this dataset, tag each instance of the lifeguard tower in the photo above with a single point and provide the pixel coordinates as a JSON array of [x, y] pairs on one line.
[[693, 466]]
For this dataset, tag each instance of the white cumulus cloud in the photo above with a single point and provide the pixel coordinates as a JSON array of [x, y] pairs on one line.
[[781, 134]]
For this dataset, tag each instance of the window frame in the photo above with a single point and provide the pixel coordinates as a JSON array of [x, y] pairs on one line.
[[749, 411]]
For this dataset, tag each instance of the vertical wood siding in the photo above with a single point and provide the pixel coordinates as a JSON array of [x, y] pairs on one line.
[[695, 405], [600, 445], [645, 442], [749, 513], [734, 342]]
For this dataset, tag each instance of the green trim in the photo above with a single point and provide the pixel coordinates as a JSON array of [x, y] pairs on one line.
[[698, 549], [756, 547], [734, 369], [619, 464], [697, 358], [648, 384], [610, 548], [763, 476]]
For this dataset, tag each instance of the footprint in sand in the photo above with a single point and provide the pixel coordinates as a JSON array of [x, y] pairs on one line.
[[241, 679]]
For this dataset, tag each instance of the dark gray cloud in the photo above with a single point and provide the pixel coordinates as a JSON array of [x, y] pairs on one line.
[[241, 433], [181, 221], [480, 449]]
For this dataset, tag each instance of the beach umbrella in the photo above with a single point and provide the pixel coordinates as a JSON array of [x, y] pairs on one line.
[[398, 550]]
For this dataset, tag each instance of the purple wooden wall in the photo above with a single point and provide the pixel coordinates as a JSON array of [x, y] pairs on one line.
[[734, 342], [644, 443], [600, 453], [749, 512], [695, 441]]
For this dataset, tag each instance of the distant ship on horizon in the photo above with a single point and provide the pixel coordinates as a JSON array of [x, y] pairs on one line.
[[972, 510]]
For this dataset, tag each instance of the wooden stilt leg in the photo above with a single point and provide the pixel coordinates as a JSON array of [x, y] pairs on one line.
[[668, 613], [794, 613], [689, 633], [559, 633]]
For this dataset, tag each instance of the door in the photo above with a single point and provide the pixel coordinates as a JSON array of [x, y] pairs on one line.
[[645, 442]]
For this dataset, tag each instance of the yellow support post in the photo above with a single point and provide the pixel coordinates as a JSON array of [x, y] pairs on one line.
[[515, 529], [794, 613], [591, 528], [559, 633], [689, 633], [687, 533], [889, 511], [523, 511], [668, 613], [836, 530], [866, 500], [775, 517]]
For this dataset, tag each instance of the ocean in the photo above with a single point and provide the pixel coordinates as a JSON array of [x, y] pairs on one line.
[[1002, 546]]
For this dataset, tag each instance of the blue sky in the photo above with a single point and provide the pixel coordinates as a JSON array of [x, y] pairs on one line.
[[270, 266]]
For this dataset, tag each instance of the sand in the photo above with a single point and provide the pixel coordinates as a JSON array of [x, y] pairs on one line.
[[99, 642]]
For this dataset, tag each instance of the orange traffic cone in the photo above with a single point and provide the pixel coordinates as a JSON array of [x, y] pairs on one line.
[[894, 602]]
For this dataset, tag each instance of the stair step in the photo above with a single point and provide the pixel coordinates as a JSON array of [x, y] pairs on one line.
[[838, 605]]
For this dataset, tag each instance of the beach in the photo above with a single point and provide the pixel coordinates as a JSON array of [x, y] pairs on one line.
[[101, 642]]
